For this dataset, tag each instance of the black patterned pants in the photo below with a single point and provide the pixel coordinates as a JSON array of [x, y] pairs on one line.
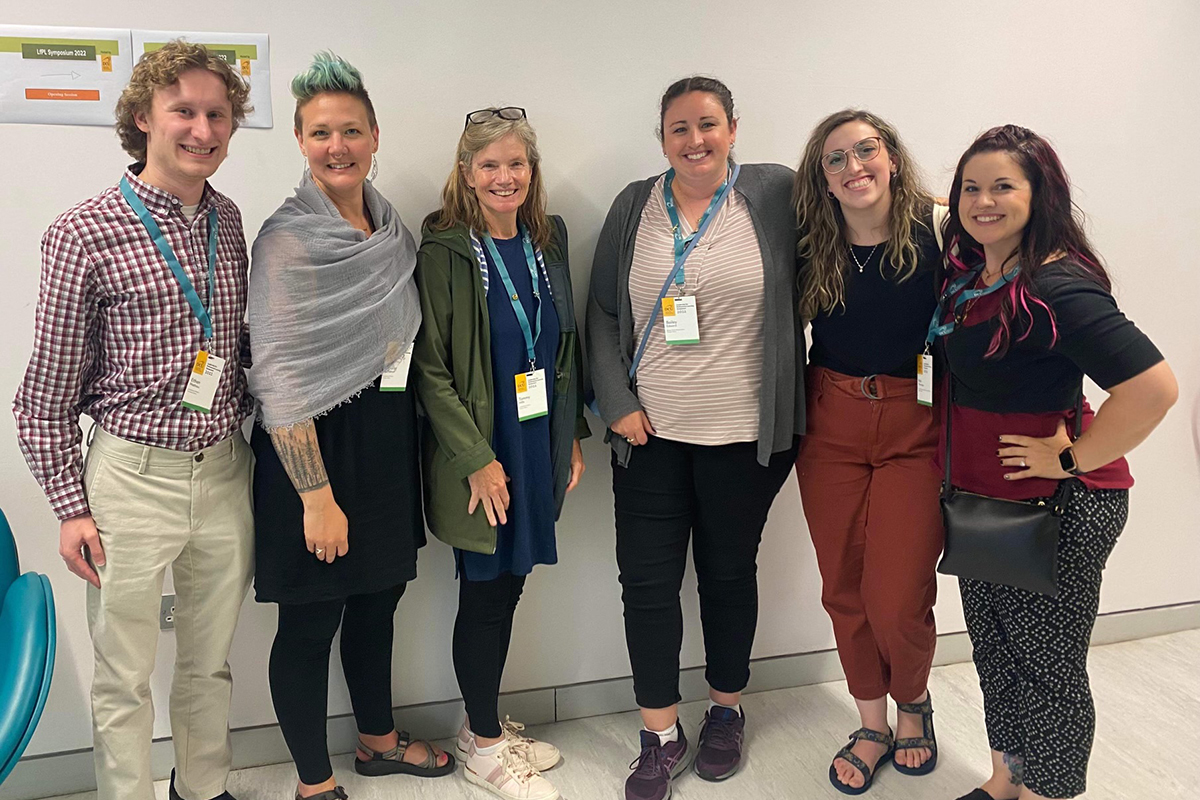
[[1030, 650]]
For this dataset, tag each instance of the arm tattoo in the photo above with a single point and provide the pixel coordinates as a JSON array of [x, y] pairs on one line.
[[1016, 766], [300, 454]]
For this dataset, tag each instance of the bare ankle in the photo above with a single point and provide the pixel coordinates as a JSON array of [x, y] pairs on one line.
[[310, 789]]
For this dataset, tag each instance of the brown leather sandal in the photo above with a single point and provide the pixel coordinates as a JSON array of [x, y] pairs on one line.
[[391, 762]]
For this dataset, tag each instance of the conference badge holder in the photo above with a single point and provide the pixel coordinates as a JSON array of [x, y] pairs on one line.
[[203, 381], [395, 377]]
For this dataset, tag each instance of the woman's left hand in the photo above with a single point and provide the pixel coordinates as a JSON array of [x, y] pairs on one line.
[[1038, 457], [577, 466]]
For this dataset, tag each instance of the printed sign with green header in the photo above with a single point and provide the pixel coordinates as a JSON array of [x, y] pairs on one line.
[[73, 49], [226, 52], [249, 54], [54, 75]]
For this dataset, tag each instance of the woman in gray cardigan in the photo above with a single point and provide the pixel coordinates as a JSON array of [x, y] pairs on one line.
[[697, 359]]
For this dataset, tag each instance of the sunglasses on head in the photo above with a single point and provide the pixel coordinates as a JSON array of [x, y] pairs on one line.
[[510, 113]]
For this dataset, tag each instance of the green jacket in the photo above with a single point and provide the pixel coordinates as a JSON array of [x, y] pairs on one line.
[[452, 364]]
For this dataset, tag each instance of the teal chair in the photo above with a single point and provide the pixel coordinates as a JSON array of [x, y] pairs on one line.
[[27, 640]]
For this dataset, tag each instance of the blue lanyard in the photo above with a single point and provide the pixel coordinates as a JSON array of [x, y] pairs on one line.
[[936, 329], [718, 198], [164, 247], [531, 338], [681, 245]]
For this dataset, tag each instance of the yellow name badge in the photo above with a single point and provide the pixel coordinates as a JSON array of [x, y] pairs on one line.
[[681, 320], [925, 379], [395, 377], [203, 381], [531, 395]]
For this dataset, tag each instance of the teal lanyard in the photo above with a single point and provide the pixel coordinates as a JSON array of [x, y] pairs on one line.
[[164, 247], [531, 338], [936, 329], [681, 243]]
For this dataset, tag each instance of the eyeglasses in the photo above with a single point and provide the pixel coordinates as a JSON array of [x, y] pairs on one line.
[[510, 113], [864, 150]]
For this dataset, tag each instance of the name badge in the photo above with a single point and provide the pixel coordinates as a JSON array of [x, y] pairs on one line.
[[202, 382], [531, 395], [395, 377], [925, 379], [681, 320]]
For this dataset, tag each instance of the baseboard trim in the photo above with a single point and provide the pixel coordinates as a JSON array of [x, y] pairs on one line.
[[69, 772]]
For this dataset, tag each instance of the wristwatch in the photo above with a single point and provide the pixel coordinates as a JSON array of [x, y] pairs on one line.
[[1066, 460]]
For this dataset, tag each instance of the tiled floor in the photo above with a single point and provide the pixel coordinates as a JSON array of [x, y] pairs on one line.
[[1147, 743]]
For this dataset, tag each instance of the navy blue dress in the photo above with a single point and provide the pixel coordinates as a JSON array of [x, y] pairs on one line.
[[522, 448]]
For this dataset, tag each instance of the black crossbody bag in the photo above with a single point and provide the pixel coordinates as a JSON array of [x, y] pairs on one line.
[[1011, 542]]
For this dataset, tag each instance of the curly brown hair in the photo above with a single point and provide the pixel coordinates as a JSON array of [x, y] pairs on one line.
[[819, 216], [162, 68]]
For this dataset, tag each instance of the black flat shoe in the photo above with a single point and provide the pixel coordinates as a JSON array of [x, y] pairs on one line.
[[977, 794], [174, 795], [336, 793]]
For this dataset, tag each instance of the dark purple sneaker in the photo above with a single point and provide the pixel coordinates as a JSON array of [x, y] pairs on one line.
[[654, 769], [720, 752]]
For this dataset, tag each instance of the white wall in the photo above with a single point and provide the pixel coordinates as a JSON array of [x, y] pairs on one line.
[[1113, 88]]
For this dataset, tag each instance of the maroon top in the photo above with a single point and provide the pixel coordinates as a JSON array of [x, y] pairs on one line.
[[1035, 384]]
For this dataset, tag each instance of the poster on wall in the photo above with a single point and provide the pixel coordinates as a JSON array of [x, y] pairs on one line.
[[248, 53], [65, 76]]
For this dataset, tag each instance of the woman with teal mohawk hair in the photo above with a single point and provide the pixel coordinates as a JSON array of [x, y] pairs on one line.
[[337, 497]]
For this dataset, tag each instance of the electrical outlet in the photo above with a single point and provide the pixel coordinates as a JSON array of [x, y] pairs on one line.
[[166, 613]]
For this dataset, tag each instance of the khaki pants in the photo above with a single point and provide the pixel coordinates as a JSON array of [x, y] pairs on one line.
[[156, 508]]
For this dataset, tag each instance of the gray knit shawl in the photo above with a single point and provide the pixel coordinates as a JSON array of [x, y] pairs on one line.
[[329, 307]]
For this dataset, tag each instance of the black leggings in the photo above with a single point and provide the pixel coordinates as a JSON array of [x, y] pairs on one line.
[[482, 631], [716, 497], [299, 672]]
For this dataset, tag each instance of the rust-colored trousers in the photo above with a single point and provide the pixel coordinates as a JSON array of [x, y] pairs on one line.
[[870, 495]]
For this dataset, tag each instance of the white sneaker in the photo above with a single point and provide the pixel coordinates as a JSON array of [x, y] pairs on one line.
[[540, 755], [507, 774]]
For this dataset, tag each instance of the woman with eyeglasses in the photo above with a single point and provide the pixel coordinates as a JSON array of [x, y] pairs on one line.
[[333, 310], [498, 368], [698, 365], [1029, 311], [870, 261]]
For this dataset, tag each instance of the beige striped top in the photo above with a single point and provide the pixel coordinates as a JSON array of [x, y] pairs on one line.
[[705, 393]]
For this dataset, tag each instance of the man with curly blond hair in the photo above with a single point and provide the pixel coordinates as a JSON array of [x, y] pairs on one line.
[[139, 326]]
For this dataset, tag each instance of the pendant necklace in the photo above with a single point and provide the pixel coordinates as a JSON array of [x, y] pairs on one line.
[[863, 264]]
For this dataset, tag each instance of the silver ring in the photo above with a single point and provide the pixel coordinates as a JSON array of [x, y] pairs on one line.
[[629, 439], [319, 550], [1023, 464]]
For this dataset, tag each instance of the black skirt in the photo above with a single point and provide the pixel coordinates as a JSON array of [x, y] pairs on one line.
[[369, 446]]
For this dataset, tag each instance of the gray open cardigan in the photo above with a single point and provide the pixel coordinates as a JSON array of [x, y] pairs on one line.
[[611, 339]]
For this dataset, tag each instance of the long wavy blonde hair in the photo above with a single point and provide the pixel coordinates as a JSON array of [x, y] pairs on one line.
[[823, 244], [460, 205]]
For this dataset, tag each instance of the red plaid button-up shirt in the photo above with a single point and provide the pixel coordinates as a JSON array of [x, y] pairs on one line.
[[115, 338]]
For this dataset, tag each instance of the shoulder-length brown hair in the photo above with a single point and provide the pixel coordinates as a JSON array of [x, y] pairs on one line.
[[460, 206], [821, 223]]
